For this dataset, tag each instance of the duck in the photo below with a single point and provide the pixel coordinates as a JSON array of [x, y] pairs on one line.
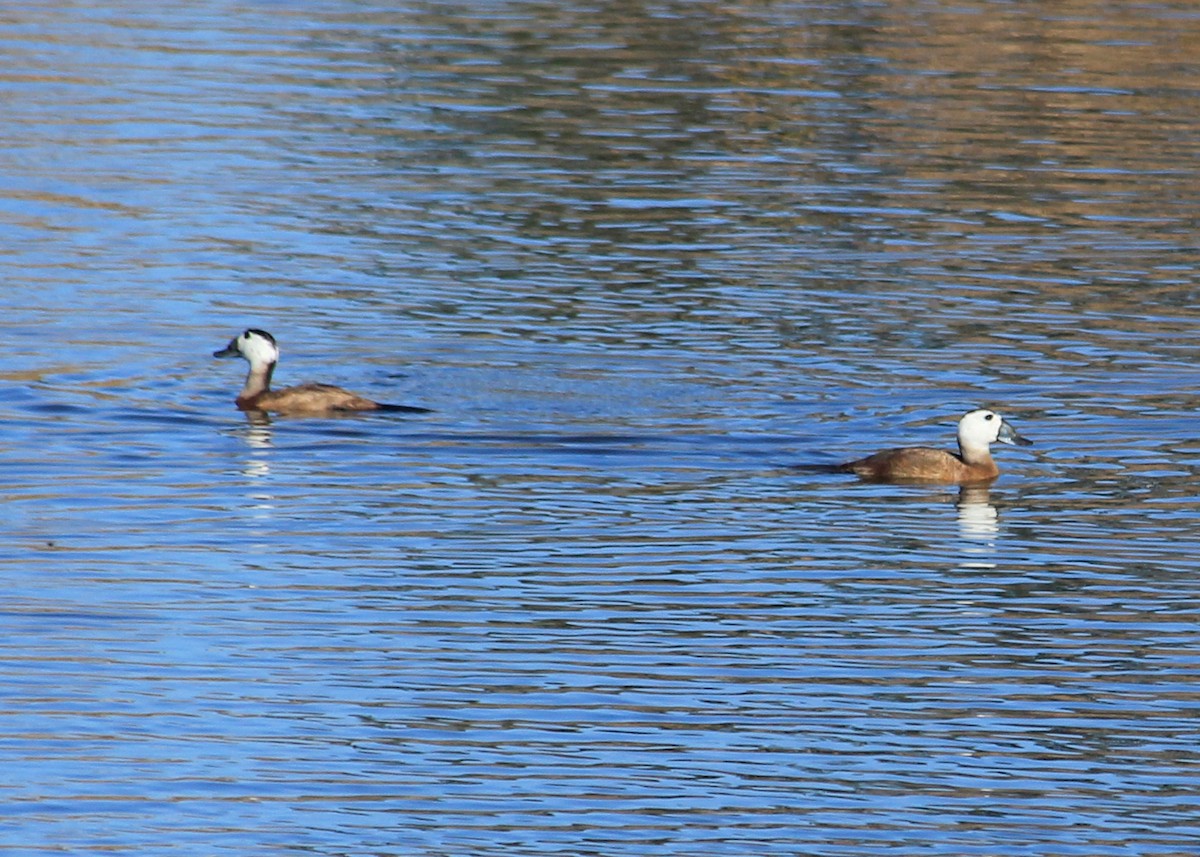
[[971, 465], [261, 351]]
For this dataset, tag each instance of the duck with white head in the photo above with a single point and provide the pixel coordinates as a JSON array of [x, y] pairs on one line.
[[261, 351], [972, 464]]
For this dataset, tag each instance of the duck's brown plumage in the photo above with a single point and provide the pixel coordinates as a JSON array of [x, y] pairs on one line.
[[306, 398], [923, 464]]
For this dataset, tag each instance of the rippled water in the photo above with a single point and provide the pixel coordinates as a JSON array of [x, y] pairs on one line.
[[639, 259]]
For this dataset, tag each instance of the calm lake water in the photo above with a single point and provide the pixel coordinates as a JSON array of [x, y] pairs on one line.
[[639, 259]]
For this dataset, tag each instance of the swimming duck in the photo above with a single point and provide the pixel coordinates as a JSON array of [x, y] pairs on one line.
[[977, 430], [262, 353]]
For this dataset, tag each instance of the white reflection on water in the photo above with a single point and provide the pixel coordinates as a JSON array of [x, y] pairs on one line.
[[256, 467], [978, 523]]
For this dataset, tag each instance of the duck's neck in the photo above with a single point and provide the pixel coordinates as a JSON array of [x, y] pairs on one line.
[[975, 453], [258, 381]]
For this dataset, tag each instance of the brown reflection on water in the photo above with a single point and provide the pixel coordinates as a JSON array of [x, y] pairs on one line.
[[984, 143], [1073, 115]]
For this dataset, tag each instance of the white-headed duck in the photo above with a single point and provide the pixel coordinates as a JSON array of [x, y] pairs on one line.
[[973, 464], [261, 351]]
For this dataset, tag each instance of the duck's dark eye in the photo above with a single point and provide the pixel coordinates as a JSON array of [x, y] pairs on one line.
[[988, 416]]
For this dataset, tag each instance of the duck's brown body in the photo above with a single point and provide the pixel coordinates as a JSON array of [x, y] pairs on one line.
[[306, 399], [923, 464]]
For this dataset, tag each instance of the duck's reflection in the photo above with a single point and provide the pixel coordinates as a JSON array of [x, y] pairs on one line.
[[978, 523], [259, 440]]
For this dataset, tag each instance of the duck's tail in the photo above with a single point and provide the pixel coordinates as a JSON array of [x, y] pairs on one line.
[[820, 468], [403, 409]]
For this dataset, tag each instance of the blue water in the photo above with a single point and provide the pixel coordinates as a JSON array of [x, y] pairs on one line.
[[639, 261]]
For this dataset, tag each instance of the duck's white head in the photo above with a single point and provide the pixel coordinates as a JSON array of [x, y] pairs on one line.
[[257, 346], [982, 428]]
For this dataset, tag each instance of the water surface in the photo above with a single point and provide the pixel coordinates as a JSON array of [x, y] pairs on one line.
[[639, 259]]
